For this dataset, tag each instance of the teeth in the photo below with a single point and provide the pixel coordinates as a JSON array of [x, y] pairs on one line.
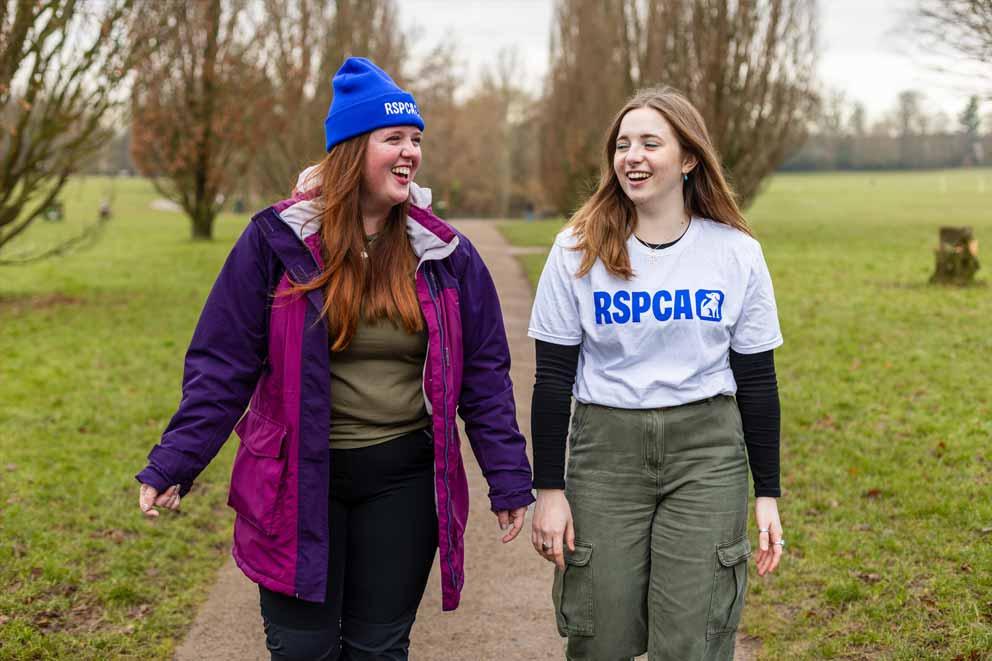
[[638, 175], [402, 171]]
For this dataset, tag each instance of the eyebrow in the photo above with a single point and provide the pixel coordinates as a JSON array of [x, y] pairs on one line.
[[623, 136]]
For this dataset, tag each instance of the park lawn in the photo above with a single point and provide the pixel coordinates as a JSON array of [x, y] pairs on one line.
[[886, 395], [92, 349]]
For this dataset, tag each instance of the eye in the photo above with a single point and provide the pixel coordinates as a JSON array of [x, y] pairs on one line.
[[622, 146], [417, 140], [651, 144]]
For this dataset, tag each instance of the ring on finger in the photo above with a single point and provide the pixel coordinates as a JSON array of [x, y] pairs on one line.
[[546, 546], [761, 530], [780, 542]]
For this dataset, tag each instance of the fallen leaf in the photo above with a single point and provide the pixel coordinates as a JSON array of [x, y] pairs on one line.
[[36, 572], [873, 493], [870, 578], [966, 568], [11, 467], [4, 619], [852, 471]]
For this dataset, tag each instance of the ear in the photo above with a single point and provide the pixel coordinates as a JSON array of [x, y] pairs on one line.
[[689, 163]]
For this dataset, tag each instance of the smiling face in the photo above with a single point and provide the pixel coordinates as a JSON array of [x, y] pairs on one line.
[[391, 161], [648, 161]]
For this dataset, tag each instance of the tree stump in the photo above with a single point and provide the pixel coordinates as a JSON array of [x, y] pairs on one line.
[[957, 257]]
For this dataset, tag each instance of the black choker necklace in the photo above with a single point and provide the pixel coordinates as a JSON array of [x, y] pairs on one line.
[[662, 246]]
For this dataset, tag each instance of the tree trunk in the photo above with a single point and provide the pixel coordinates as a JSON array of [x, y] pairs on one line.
[[203, 223], [956, 256]]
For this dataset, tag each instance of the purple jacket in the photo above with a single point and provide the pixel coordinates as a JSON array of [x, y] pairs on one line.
[[272, 355]]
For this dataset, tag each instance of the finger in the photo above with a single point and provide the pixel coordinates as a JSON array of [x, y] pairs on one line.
[[503, 517], [547, 549], [570, 535], [776, 557], [557, 548], [518, 524], [146, 500], [174, 503], [763, 540]]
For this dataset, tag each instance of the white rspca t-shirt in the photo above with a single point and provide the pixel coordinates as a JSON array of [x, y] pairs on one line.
[[663, 337]]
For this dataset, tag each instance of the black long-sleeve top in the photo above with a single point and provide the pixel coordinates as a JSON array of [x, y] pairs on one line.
[[757, 399]]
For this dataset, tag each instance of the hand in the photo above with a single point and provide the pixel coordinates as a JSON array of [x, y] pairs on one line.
[[150, 496], [769, 551], [511, 517], [552, 526]]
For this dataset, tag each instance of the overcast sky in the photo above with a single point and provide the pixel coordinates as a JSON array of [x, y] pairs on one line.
[[862, 52]]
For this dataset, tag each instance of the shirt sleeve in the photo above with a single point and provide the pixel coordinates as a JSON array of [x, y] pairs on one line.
[[555, 315], [757, 329]]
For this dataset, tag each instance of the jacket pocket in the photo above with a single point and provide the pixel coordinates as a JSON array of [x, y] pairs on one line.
[[573, 593], [257, 475], [729, 587]]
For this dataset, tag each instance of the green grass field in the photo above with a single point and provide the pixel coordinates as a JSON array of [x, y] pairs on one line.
[[886, 389], [92, 347], [886, 454]]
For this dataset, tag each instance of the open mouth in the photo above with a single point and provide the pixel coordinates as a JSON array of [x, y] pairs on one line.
[[401, 172], [638, 176]]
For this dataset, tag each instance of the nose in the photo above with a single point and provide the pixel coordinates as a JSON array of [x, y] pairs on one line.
[[409, 149], [633, 155]]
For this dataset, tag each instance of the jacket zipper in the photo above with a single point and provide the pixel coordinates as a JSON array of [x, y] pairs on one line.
[[434, 290]]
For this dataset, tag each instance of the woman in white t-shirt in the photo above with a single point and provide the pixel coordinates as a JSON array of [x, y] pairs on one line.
[[655, 309]]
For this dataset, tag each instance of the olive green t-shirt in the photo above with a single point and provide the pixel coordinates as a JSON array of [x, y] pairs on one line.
[[377, 386]]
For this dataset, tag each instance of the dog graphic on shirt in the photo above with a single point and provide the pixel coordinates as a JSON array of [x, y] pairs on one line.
[[709, 304]]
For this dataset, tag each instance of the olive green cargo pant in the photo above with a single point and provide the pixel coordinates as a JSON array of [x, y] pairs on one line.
[[659, 502]]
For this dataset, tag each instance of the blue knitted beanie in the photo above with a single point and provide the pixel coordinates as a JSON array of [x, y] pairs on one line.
[[365, 99]]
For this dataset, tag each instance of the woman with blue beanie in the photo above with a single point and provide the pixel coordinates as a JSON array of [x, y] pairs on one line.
[[351, 323]]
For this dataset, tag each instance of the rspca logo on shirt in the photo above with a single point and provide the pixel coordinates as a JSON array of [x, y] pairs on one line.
[[624, 307]]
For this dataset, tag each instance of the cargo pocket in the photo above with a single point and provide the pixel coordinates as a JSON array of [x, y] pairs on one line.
[[729, 586], [258, 471], [572, 593]]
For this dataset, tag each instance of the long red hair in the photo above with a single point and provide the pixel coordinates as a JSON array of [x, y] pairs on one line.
[[378, 287]]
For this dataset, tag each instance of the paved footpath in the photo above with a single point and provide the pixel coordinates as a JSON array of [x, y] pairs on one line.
[[505, 612]]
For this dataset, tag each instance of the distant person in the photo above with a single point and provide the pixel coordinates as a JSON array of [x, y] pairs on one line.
[[352, 323], [655, 307]]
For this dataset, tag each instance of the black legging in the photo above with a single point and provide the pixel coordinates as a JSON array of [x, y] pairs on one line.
[[383, 528]]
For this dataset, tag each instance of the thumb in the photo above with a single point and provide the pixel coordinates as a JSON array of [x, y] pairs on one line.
[[570, 535], [146, 499]]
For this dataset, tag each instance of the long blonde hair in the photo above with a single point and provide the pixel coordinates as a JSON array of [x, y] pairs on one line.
[[378, 287], [604, 223]]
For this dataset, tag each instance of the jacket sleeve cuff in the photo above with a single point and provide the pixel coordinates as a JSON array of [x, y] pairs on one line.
[[511, 501], [153, 477]]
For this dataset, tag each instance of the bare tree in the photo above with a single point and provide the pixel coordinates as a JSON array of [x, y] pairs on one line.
[[588, 80], [958, 31], [61, 65], [747, 66], [307, 41], [200, 105], [436, 81]]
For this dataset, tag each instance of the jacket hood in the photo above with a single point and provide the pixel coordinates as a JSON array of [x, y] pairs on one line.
[[430, 237]]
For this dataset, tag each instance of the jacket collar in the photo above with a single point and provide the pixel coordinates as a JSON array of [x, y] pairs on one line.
[[430, 237]]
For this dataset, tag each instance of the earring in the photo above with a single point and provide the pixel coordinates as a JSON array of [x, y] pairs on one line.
[[685, 176]]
